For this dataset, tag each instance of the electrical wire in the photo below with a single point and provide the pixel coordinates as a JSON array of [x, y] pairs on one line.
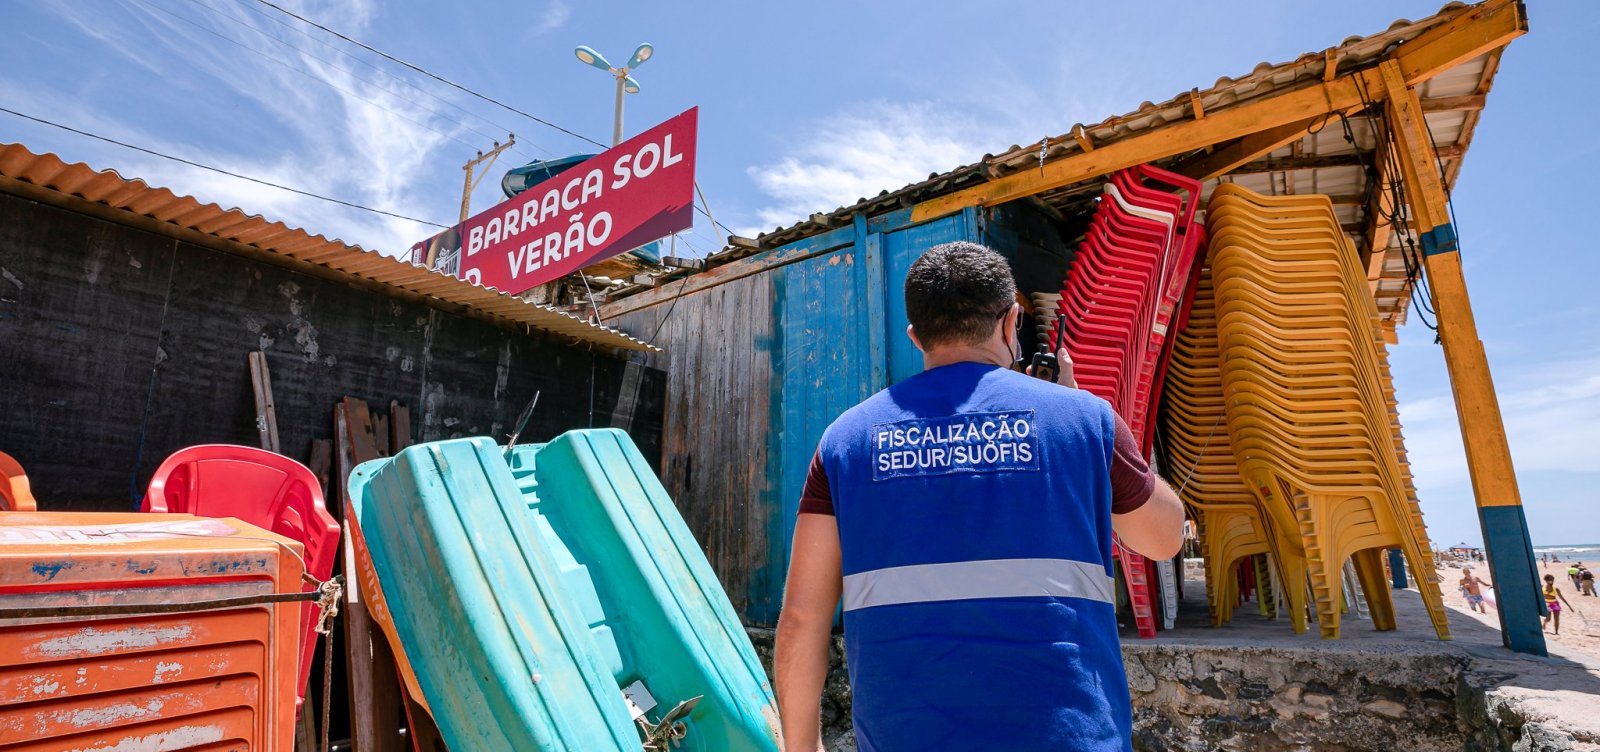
[[703, 207], [403, 82], [440, 79], [448, 82], [221, 171], [398, 94], [1416, 281], [681, 288]]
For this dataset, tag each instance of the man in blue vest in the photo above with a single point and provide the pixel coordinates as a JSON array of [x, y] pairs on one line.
[[965, 515]]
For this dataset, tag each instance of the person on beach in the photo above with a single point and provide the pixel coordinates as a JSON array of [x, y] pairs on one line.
[[1471, 586], [1551, 594], [965, 514], [1586, 583], [1572, 572]]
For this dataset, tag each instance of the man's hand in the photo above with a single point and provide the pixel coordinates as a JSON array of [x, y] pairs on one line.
[[1063, 369], [804, 628]]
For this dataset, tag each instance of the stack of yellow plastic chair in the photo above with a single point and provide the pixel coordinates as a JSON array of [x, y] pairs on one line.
[[1306, 408], [1231, 526]]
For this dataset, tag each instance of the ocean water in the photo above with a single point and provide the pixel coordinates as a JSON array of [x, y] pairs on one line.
[[1574, 552]]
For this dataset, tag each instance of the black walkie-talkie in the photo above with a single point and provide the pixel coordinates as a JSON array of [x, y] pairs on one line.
[[1045, 364]]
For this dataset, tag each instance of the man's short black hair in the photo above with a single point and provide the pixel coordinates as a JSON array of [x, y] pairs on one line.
[[956, 292]]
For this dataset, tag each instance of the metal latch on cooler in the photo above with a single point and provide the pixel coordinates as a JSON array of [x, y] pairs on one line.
[[663, 734]]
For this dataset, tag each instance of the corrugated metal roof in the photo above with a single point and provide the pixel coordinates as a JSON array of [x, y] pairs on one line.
[[108, 188], [1332, 166]]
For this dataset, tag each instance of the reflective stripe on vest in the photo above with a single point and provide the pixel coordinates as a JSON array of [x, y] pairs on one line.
[[966, 580]]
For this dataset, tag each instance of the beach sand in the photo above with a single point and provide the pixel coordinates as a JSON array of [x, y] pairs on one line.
[[1576, 634]]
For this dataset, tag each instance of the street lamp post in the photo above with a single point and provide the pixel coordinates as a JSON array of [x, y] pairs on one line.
[[625, 82]]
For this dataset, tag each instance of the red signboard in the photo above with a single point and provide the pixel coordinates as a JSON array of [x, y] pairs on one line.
[[638, 191]]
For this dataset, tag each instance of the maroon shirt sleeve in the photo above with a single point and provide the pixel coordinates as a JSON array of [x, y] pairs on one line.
[[816, 497], [1132, 480]]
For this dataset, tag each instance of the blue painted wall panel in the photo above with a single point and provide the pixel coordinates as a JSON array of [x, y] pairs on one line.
[[842, 323], [901, 248]]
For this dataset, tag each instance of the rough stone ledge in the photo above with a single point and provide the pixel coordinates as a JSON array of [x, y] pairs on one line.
[[1383, 697]]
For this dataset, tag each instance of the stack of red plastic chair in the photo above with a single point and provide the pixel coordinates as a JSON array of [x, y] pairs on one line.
[[1129, 285], [263, 488]]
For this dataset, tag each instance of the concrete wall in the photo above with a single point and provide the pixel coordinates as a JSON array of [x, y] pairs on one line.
[[119, 346]]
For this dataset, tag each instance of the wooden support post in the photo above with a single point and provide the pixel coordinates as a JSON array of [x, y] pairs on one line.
[[1494, 480]]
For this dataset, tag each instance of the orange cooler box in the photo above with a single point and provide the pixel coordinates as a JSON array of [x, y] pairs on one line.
[[200, 680]]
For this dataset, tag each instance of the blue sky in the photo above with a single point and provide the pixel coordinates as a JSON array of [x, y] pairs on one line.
[[805, 107]]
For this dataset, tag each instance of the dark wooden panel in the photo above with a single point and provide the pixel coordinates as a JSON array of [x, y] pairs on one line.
[[717, 407], [79, 339]]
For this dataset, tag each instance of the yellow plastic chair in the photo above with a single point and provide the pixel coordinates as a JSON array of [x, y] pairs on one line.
[[1309, 406]]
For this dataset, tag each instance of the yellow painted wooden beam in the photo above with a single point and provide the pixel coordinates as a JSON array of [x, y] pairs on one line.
[[1494, 480], [1483, 433], [1082, 137], [1473, 31], [1479, 29], [1274, 112], [1239, 152]]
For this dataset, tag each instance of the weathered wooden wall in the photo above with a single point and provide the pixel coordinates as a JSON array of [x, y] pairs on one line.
[[118, 347], [717, 414]]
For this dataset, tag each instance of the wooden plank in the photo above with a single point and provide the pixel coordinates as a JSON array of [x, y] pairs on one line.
[[875, 290], [363, 442], [421, 730], [380, 434], [305, 738], [266, 410], [1473, 31], [1286, 164], [321, 464], [1157, 143], [374, 685], [1225, 159], [399, 427], [1455, 104]]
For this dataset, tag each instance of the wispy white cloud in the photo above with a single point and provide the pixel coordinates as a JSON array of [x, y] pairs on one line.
[[877, 146], [1552, 418], [342, 130], [554, 15]]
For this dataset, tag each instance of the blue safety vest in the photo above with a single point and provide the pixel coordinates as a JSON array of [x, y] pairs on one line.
[[974, 512]]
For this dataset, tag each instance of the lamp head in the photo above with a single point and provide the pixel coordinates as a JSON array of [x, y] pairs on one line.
[[588, 56], [629, 85], [641, 54]]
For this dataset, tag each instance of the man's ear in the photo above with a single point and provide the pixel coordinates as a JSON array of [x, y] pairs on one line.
[[1008, 324], [911, 332]]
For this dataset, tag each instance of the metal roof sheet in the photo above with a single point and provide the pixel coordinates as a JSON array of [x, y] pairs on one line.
[[133, 195]]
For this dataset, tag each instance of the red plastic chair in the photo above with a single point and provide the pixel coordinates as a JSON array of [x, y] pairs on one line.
[[15, 494], [263, 488]]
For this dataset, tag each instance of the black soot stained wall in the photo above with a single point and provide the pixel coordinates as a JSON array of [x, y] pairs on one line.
[[119, 346]]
